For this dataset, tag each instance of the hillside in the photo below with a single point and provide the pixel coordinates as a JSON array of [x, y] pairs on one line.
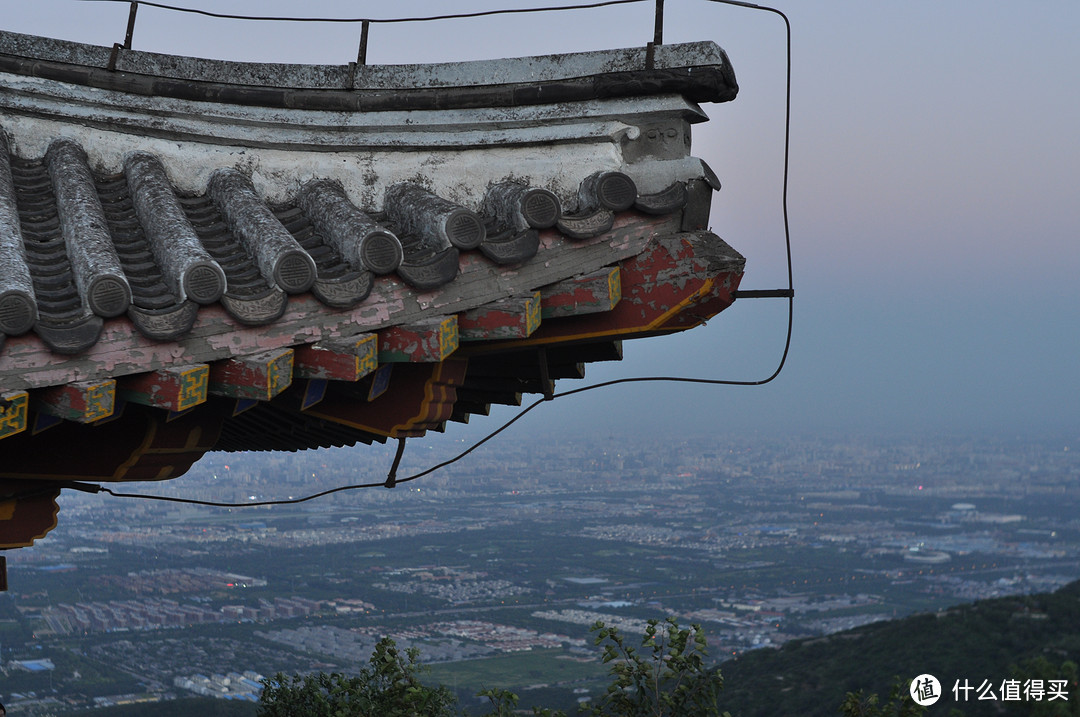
[[202, 706], [982, 640]]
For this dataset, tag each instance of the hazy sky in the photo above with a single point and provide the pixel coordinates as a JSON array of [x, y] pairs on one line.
[[933, 200]]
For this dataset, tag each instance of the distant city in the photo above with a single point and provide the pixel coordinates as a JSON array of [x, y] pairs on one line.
[[495, 567]]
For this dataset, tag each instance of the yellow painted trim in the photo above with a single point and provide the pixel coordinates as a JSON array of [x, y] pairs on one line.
[[194, 387], [448, 337], [100, 400], [370, 361], [533, 316], [139, 452], [279, 373], [614, 285], [39, 536], [429, 396], [13, 419]]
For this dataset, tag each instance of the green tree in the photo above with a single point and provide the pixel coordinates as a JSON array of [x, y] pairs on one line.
[[1052, 680], [667, 676], [388, 686], [900, 704], [504, 703]]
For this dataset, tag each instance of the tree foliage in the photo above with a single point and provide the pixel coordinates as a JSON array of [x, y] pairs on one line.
[[389, 686], [667, 676], [900, 704], [1043, 671]]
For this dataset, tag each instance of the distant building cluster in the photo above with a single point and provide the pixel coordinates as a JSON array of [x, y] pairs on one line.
[[455, 587], [179, 580], [356, 646], [503, 638], [233, 686], [630, 625], [440, 641], [158, 613], [144, 698]]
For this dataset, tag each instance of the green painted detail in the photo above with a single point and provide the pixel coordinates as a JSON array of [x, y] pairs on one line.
[[279, 373], [13, 411], [100, 400], [194, 383]]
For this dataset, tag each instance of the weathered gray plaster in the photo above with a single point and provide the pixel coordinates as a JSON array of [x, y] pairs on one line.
[[457, 152]]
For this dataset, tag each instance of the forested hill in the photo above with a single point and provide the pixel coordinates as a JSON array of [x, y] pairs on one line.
[[986, 640]]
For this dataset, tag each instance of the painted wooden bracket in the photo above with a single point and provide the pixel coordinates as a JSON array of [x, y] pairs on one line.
[[259, 377], [591, 293], [678, 282], [515, 317], [425, 341], [13, 413], [173, 389], [80, 401], [346, 359], [26, 519], [423, 399], [464, 409]]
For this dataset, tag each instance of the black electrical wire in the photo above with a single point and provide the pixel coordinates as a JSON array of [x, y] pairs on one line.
[[372, 20], [392, 480]]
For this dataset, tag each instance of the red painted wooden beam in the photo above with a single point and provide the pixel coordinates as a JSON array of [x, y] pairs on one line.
[[516, 317], [259, 377], [678, 282], [173, 389], [426, 341], [81, 401], [345, 359], [591, 293]]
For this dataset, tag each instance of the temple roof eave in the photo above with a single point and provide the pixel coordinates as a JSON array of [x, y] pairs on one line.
[[131, 65]]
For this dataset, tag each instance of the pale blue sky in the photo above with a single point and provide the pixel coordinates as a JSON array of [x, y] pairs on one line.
[[933, 202]]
